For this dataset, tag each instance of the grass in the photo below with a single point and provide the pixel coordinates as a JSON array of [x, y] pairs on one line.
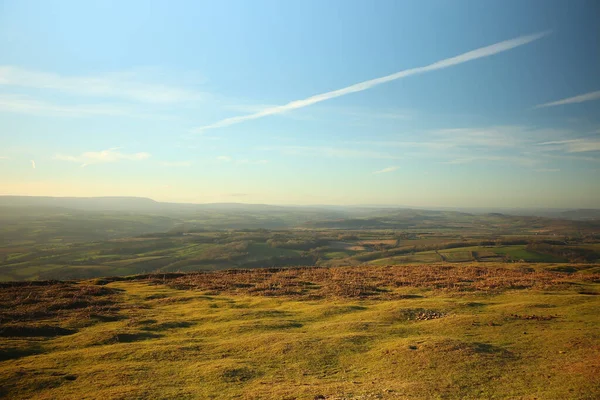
[[457, 256], [262, 250], [482, 253], [421, 257], [210, 250], [412, 331], [519, 253]]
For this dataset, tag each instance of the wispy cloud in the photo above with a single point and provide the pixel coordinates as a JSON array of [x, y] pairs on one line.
[[495, 136], [331, 152], [386, 170], [4, 158], [123, 86], [571, 100], [32, 164], [512, 145], [359, 87], [573, 145], [26, 105], [241, 161], [524, 161], [547, 170], [104, 156], [467, 144], [176, 163]]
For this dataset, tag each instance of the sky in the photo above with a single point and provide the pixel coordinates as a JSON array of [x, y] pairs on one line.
[[425, 104]]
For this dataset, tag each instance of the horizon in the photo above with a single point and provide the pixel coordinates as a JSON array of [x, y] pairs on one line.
[[433, 105], [366, 205]]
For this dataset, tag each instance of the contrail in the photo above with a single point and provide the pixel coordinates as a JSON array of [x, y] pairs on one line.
[[359, 87], [577, 99]]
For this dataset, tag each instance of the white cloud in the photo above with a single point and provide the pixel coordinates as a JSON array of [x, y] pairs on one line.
[[4, 158], [517, 160], [224, 158], [547, 170], [500, 136], [428, 144], [332, 152], [517, 145], [176, 163], [571, 100], [104, 156], [386, 170], [573, 145], [27, 105], [32, 164], [123, 86], [359, 87], [467, 145]]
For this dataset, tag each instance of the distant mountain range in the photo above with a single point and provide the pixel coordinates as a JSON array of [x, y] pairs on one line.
[[147, 205]]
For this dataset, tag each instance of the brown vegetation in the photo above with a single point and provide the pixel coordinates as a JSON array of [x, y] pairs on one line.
[[370, 281], [31, 308]]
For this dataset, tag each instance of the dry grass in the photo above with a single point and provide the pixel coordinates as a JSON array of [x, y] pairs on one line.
[[421, 332], [372, 282], [27, 307]]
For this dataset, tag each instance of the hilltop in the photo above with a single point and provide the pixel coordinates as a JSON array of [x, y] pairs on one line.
[[396, 332]]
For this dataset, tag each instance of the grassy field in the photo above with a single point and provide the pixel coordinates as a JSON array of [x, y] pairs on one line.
[[70, 238], [217, 250], [442, 331], [514, 253]]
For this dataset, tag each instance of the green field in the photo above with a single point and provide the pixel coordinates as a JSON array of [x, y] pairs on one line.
[[343, 333], [263, 248], [45, 241], [513, 253]]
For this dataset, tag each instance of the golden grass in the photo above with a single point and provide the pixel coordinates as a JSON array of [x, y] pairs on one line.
[[349, 334], [375, 281]]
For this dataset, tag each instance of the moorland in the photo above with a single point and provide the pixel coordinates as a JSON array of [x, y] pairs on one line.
[[129, 298]]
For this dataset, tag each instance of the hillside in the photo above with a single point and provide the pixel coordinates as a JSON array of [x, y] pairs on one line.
[[418, 332]]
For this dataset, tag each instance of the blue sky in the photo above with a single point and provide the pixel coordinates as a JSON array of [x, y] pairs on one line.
[[429, 103]]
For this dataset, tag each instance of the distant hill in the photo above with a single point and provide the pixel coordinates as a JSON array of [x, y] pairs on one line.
[[147, 205], [582, 214], [82, 203]]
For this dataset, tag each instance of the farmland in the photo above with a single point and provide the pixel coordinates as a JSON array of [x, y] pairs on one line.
[[215, 250]]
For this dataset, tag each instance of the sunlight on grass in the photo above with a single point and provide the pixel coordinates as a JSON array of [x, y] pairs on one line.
[[145, 339]]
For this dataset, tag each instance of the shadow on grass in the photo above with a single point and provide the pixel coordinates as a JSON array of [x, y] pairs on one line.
[[238, 375], [15, 353], [168, 325], [34, 331], [129, 337]]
